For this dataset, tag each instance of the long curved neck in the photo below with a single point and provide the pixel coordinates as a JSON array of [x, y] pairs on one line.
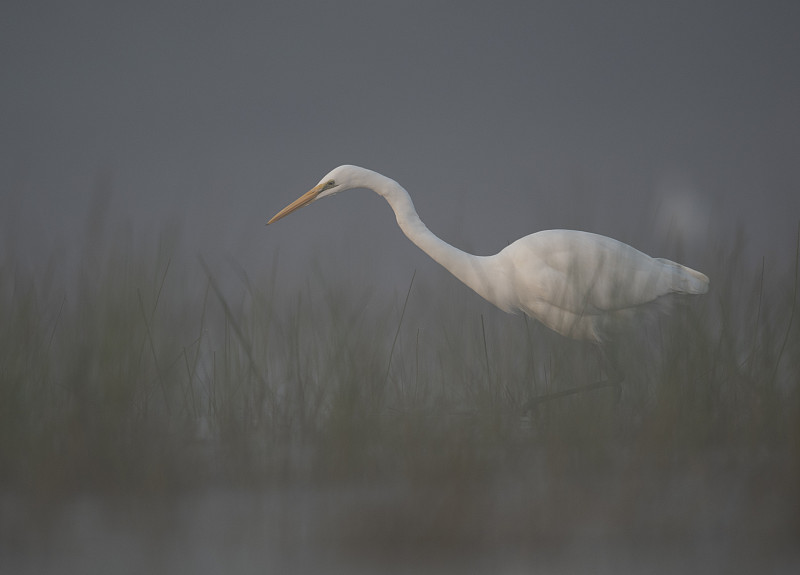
[[472, 270]]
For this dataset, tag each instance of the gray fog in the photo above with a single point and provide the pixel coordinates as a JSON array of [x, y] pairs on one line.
[[659, 124], [223, 426]]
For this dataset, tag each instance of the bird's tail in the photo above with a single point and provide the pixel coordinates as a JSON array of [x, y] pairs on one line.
[[685, 280]]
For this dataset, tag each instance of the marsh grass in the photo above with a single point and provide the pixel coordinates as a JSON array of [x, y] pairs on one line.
[[154, 374]]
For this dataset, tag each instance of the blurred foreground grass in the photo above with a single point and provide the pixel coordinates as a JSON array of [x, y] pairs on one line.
[[389, 429]]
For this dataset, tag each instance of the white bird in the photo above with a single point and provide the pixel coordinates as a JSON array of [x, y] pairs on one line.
[[578, 284]]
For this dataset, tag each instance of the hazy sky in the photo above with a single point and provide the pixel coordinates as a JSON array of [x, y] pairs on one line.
[[639, 120]]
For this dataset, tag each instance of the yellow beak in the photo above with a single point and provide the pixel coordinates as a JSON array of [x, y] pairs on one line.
[[303, 200]]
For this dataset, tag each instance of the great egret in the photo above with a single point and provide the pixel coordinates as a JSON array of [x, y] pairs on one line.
[[578, 284]]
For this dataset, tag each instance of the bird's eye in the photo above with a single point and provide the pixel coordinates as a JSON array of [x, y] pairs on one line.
[[330, 183]]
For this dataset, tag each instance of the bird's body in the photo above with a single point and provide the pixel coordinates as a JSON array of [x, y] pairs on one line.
[[574, 282]]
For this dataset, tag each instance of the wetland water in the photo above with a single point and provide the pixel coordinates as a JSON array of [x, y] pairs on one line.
[[688, 520]]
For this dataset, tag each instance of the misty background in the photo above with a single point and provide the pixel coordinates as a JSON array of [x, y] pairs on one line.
[[659, 125], [268, 410]]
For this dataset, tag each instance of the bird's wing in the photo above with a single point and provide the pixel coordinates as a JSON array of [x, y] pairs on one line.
[[585, 273]]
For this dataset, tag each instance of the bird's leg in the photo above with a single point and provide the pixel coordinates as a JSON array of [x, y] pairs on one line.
[[539, 399], [614, 379]]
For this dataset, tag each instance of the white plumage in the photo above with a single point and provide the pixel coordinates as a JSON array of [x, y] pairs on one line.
[[576, 283]]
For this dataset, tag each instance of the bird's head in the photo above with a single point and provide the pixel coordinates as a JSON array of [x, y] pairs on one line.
[[337, 180]]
